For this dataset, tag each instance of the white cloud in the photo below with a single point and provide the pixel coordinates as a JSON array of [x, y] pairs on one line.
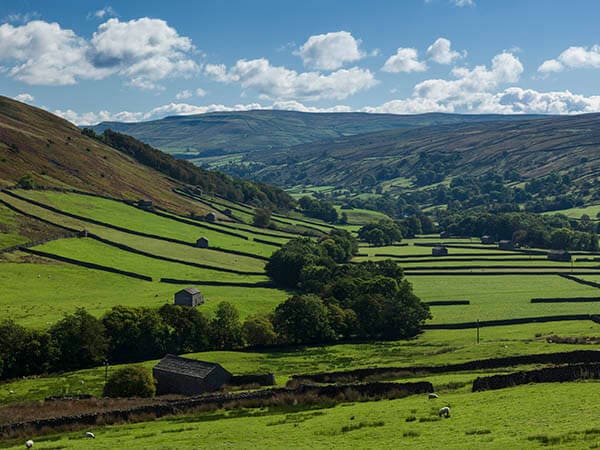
[[573, 58], [144, 51], [105, 12], [185, 94], [280, 83], [441, 52], [330, 51], [405, 60], [201, 92], [462, 3], [22, 17], [26, 98]]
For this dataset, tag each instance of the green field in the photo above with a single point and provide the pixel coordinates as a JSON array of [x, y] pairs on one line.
[[524, 417]]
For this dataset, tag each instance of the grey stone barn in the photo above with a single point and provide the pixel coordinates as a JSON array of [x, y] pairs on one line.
[[202, 243], [559, 255], [487, 240], [176, 375], [505, 245], [189, 297], [439, 251], [147, 204]]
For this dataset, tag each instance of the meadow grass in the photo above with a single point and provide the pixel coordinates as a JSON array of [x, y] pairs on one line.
[[132, 218], [9, 228], [37, 295], [531, 416], [357, 216], [96, 252]]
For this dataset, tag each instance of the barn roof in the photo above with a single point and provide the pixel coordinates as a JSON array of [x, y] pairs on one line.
[[185, 366], [190, 290]]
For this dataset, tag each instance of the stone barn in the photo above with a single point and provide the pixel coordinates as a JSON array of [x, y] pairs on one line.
[[202, 242], [211, 217], [559, 255], [487, 240], [444, 235], [189, 297], [505, 245], [146, 204], [184, 376], [439, 251]]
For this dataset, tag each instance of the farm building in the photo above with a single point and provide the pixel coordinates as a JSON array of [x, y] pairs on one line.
[[228, 212], [176, 375], [439, 251], [559, 255], [505, 245], [444, 235], [189, 297], [211, 217], [144, 204], [487, 240], [202, 242]]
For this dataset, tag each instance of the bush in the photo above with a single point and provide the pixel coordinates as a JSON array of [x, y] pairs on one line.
[[262, 217], [258, 331], [135, 381], [26, 182]]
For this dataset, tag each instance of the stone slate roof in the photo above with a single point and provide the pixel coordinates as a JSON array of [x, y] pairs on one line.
[[186, 366], [190, 290]]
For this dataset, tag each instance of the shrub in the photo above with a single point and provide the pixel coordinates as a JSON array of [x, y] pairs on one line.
[[26, 182], [135, 381], [258, 331]]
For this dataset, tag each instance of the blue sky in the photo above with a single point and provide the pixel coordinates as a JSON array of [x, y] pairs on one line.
[[131, 60]]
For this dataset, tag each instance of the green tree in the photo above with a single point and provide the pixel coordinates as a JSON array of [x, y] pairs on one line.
[[286, 264], [134, 381], [226, 328], [189, 329], [26, 182], [258, 331], [303, 319], [24, 352], [262, 217], [80, 340]]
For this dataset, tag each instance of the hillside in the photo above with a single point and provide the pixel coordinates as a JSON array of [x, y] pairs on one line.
[[222, 133], [57, 154], [531, 147]]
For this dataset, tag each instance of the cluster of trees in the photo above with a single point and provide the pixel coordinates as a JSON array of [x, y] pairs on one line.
[[319, 209], [258, 194], [527, 229], [337, 300], [388, 232]]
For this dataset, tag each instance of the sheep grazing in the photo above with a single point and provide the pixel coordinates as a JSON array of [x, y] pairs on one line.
[[29, 444], [444, 412], [90, 435], [432, 395]]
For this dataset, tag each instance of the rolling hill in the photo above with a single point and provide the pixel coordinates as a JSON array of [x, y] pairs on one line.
[[222, 133], [57, 154]]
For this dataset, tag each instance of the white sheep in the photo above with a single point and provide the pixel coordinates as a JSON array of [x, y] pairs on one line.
[[29, 443], [90, 435], [444, 412], [432, 395]]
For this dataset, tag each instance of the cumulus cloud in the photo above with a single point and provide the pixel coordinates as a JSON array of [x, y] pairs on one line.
[[462, 3], [103, 13], [441, 52], [330, 51], [279, 83], [22, 17], [26, 98], [405, 60], [185, 94], [144, 51], [573, 58]]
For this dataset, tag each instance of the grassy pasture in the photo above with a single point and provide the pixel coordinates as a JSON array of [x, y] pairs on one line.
[[357, 216], [156, 246], [89, 250], [576, 213], [501, 297], [120, 214], [531, 416], [433, 347], [54, 289], [9, 228]]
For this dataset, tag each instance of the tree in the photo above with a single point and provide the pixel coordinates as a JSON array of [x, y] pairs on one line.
[[189, 329], [262, 217], [384, 232], [286, 264], [26, 182], [135, 381], [303, 319], [24, 352], [226, 328], [80, 340], [258, 331]]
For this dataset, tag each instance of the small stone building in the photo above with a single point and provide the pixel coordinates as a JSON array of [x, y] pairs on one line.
[[146, 204], [189, 297], [559, 255], [184, 376], [439, 251], [444, 235], [202, 242], [211, 217], [487, 239], [505, 245]]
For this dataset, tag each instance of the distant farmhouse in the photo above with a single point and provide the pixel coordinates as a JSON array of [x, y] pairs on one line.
[[505, 245], [487, 240], [202, 242], [176, 375], [189, 297], [439, 251], [145, 204], [559, 255]]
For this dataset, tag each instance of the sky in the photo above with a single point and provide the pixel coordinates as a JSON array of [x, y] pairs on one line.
[[92, 61]]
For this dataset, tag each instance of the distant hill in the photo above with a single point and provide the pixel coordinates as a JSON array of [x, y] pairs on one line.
[[532, 147], [58, 154], [222, 133]]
